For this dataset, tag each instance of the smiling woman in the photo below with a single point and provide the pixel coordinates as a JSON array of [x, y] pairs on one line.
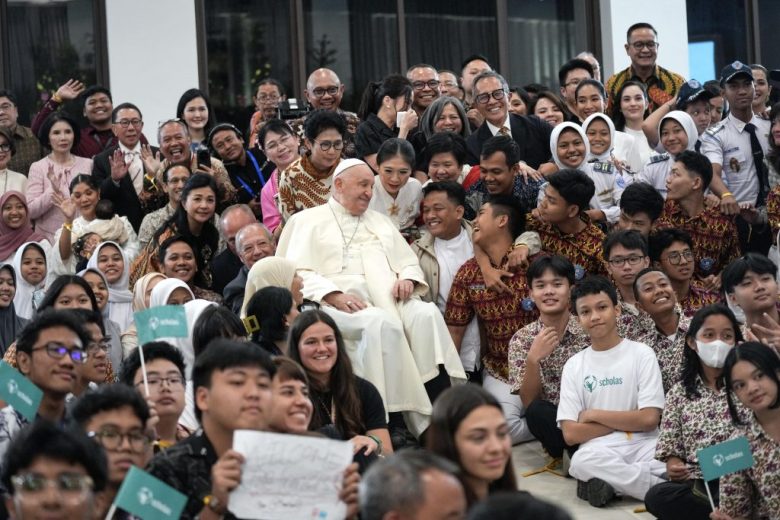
[[109, 259]]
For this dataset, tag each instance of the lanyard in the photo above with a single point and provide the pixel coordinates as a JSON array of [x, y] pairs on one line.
[[259, 172]]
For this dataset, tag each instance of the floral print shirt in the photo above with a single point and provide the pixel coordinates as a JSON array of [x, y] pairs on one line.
[[669, 351]]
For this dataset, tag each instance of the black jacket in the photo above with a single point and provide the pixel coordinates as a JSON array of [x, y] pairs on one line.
[[530, 132]]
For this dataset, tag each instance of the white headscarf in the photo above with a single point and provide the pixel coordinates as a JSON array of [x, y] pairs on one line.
[[163, 290], [686, 121], [585, 124], [556, 134], [269, 271], [193, 309], [120, 299], [23, 301], [139, 290]]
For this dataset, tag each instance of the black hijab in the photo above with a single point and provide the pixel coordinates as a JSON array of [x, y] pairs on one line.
[[10, 324]]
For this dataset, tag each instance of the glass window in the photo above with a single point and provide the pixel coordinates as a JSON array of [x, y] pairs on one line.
[[246, 41], [443, 33], [769, 21], [50, 41], [356, 39], [723, 23], [542, 37]]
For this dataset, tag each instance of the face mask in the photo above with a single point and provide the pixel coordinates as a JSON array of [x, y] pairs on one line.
[[713, 353]]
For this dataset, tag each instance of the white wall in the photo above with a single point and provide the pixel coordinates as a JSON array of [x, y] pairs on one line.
[[670, 19], [152, 55]]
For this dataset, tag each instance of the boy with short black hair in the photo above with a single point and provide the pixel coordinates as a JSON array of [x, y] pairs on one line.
[[672, 250], [640, 207], [44, 453], [562, 225], [610, 404], [714, 235], [538, 351], [750, 282]]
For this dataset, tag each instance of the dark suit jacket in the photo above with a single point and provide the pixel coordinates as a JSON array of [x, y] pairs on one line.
[[224, 268], [530, 132], [124, 197]]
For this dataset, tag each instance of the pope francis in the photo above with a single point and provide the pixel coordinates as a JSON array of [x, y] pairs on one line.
[[355, 263]]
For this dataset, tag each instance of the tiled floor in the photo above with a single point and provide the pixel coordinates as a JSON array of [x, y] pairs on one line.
[[562, 491]]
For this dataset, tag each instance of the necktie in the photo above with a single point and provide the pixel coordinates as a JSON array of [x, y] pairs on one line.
[[758, 163], [504, 131], [135, 168]]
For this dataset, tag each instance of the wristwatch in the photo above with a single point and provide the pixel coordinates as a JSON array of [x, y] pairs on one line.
[[214, 504]]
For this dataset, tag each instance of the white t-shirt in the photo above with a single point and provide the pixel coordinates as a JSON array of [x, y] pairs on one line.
[[623, 378]]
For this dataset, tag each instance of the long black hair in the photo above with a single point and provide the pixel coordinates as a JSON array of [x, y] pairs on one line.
[[188, 96], [393, 86], [59, 283], [691, 363], [617, 115], [763, 358], [269, 306]]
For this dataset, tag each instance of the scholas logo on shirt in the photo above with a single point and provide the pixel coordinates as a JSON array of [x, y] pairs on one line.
[[592, 382]]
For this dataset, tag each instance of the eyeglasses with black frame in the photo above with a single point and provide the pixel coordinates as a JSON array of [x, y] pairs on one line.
[[171, 381], [112, 439], [431, 83], [651, 45], [5, 147], [104, 345], [327, 145], [124, 123], [482, 99], [59, 351], [675, 257], [620, 261], [321, 91]]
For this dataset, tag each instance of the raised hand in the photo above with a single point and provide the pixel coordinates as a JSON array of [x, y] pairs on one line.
[[152, 161], [54, 179], [544, 343], [71, 89], [65, 204], [118, 165]]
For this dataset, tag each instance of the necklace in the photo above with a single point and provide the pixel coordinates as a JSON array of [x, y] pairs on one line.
[[329, 410], [344, 241]]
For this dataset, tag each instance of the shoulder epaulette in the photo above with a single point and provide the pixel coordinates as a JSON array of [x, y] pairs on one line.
[[659, 158], [715, 129]]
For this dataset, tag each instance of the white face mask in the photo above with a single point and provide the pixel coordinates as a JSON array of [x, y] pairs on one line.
[[713, 353]]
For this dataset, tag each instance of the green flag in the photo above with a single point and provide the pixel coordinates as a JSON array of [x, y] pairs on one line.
[[724, 458], [149, 498], [167, 321], [19, 392]]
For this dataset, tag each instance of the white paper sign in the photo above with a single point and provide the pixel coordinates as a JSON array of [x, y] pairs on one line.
[[289, 476]]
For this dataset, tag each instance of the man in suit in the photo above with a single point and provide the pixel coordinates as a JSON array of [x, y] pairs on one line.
[[491, 97], [121, 172], [226, 265]]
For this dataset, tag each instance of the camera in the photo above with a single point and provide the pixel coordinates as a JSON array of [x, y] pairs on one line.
[[292, 109]]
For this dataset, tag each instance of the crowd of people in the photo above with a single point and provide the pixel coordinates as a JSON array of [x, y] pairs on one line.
[[455, 268]]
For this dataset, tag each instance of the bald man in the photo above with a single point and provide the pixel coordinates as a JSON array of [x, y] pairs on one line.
[[325, 91], [355, 262]]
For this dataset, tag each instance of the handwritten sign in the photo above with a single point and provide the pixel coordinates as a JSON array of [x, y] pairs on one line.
[[289, 476], [19, 392], [166, 321]]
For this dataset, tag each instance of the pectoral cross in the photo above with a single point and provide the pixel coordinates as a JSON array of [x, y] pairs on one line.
[[394, 208]]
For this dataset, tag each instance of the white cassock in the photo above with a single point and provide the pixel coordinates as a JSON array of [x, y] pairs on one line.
[[397, 346], [402, 210]]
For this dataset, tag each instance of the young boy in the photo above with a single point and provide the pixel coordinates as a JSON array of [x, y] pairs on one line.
[[538, 351], [751, 283], [672, 250], [562, 225], [640, 207], [610, 404], [714, 235], [655, 296]]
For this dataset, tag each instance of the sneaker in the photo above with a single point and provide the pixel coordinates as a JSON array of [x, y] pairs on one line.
[[582, 490], [599, 492]]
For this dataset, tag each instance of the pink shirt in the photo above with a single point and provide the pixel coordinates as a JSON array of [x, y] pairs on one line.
[[47, 217], [271, 216]]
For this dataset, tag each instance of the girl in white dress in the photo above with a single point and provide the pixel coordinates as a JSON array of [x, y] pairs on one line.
[[396, 193]]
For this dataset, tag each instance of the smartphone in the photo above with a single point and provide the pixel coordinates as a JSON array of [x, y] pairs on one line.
[[204, 159]]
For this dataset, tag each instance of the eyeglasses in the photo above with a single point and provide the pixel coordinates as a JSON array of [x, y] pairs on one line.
[[621, 260], [482, 99], [327, 145], [266, 98], [66, 483], [113, 439], [124, 123], [675, 257], [574, 82], [651, 45], [432, 83], [105, 346], [5, 107], [5, 147], [320, 91], [161, 124], [450, 83], [59, 351], [156, 382], [273, 145]]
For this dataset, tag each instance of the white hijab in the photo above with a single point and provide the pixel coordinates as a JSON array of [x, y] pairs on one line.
[[193, 309], [120, 299], [23, 301], [585, 124], [686, 121], [556, 134], [163, 290]]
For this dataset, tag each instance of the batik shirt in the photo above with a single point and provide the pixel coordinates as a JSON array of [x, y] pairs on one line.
[[669, 351], [501, 314], [573, 340], [714, 236], [301, 187], [754, 492], [583, 249], [689, 424], [698, 298]]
